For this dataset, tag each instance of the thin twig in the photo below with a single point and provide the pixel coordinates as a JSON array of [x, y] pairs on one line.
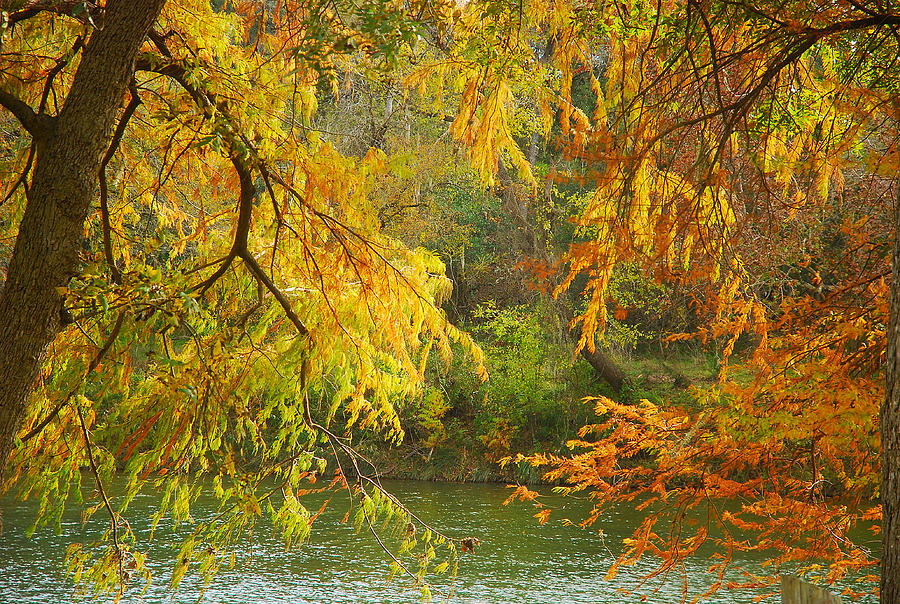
[[112, 513], [95, 362]]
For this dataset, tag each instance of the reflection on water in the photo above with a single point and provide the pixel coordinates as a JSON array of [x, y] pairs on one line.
[[518, 560]]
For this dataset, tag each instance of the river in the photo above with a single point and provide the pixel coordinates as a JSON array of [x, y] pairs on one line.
[[518, 560]]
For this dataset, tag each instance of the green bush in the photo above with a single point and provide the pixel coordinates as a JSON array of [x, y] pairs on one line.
[[532, 400]]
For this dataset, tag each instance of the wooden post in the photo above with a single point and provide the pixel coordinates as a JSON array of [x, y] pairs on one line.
[[795, 591]]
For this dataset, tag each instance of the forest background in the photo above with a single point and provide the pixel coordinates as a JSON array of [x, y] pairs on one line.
[[235, 231]]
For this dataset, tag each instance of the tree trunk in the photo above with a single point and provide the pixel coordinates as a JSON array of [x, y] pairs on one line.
[[517, 208], [605, 367], [890, 438], [69, 151]]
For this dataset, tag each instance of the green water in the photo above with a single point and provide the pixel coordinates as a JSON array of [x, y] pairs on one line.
[[518, 560]]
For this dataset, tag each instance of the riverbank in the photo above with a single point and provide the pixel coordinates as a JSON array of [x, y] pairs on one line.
[[465, 441]]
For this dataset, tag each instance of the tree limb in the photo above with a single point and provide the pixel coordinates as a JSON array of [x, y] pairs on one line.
[[60, 65], [262, 277], [242, 229], [95, 362], [22, 112], [23, 177], [243, 158], [104, 188], [113, 517], [88, 12]]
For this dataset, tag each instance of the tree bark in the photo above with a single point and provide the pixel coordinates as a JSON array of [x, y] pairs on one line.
[[890, 437], [605, 367], [70, 147]]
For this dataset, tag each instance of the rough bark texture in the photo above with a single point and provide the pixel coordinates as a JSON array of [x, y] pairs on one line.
[[890, 439], [69, 151]]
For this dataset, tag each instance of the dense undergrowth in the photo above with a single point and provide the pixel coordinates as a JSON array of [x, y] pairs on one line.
[[534, 401]]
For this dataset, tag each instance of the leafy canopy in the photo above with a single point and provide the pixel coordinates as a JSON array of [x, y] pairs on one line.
[[238, 313], [748, 148], [238, 300]]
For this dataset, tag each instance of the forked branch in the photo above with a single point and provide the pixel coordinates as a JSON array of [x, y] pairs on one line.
[[244, 158]]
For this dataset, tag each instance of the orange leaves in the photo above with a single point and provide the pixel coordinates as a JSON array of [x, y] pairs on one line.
[[885, 162], [644, 411], [724, 165], [737, 463], [138, 436], [207, 377], [719, 486], [498, 439], [543, 516], [522, 493], [465, 124]]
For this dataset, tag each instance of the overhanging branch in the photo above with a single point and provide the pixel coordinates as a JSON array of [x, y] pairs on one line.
[[263, 278], [244, 159], [86, 12]]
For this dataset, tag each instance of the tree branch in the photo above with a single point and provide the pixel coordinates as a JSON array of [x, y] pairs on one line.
[[208, 282], [22, 112], [113, 517], [159, 40], [243, 158], [60, 65], [23, 177], [88, 12], [805, 40], [242, 229], [261, 276], [95, 362], [104, 189]]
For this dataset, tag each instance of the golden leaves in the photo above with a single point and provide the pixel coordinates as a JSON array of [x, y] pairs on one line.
[[482, 125], [884, 162], [212, 379]]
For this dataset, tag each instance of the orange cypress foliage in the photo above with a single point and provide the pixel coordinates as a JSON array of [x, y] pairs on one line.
[[747, 149]]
